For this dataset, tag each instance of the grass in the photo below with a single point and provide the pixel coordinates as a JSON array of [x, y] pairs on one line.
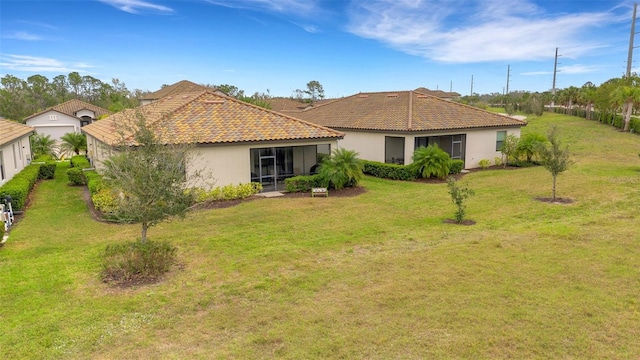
[[376, 276]]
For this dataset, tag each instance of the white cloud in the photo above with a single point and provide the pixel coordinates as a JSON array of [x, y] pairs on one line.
[[38, 64], [136, 6], [294, 7], [22, 35], [475, 31]]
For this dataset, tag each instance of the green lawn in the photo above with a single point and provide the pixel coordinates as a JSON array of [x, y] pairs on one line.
[[375, 276]]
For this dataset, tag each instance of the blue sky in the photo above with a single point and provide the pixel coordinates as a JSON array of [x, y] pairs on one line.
[[348, 46]]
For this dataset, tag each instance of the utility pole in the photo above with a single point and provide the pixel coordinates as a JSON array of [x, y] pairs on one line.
[[508, 76], [633, 32], [471, 94], [451, 86], [553, 89]]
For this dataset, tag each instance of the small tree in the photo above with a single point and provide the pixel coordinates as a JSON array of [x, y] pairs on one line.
[[150, 175], [431, 161], [509, 148], [73, 143], [43, 145], [459, 195], [342, 168], [554, 157]]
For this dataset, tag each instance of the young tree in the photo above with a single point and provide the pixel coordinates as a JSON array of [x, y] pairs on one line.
[[150, 175], [73, 143], [431, 161], [509, 148], [342, 168], [459, 195], [555, 158]]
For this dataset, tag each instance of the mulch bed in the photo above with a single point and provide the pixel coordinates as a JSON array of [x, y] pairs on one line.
[[464, 222], [556, 201]]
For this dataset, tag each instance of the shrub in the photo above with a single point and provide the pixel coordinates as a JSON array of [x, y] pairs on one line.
[[20, 186], [137, 262], [388, 171], [431, 161], [303, 183], [48, 169], [529, 144], [105, 201], [497, 160], [227, 192], [456, 166], [341, 169], [94, 181], [484, 163], [459, 195], [76, 177], [80, 161]]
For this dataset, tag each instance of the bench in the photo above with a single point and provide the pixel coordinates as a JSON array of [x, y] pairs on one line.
[[319, 191]]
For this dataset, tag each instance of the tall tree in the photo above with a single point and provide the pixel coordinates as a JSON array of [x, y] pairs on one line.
[[151, 175], [627, 94], [314, 90]]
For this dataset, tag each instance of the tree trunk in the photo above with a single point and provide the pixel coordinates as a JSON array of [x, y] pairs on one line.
[[145, 227], [627, 115], [553, 192]]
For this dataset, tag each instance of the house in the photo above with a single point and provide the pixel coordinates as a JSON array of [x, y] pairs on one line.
[[236, 142], [64, 118], [288, 105], [15, 148], [180, 87], [390, 126], [447, 95]]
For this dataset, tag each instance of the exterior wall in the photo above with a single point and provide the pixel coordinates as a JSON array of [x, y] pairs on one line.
[[62, 124], [16, 155], [219, 165], [480, 144]]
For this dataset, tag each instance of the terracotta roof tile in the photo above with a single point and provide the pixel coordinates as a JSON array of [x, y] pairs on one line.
[[206, 117], [11, 130], [71, 107], [391, 110]]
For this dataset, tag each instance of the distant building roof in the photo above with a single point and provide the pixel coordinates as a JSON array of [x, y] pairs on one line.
[[72, 107], [177, 88], [438, 93], [11, 130], [402, 111], [206, 117]]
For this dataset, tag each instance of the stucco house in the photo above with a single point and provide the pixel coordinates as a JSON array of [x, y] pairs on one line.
[[67, 117], [390, 126], [236, 142], [15, 148]]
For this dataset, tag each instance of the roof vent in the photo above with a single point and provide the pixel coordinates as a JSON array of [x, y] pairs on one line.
[[392, 95], [422, 96], [363, 96], [213, 101]]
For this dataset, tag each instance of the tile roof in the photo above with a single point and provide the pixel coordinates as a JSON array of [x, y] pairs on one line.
[[402, 111], [174, 89], [438, 93], [287, 105], [206, 117], [71, 107], [11, 130]]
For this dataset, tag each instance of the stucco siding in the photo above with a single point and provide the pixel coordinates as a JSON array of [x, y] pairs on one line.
[[16, 155], [54, 124], [369, 145], [481, 144]]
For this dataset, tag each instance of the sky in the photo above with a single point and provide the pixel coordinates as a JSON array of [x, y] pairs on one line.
[[349, 46]]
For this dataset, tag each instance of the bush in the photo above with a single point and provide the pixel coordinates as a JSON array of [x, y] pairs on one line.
[[484, 163], [94, 181], [80, 161], [341, 169], [497, 160], [76, 177], [137, 262], [304, 183], [456, 166], [228, 192], [20, 186], [431, 161], [388, 171], [48, 169], [105, 201]]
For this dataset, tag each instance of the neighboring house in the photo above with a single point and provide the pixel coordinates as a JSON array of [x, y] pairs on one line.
[[67, 117], [180, 87], [390, 126], [236, 142], [15, 148], [447, 95], [287, 105]]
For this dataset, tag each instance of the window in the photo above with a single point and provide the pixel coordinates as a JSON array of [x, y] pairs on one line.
[[501, 135], [15, 156], [394, 150]]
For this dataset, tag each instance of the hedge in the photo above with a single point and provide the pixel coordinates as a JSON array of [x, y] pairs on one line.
[[75, 173], [304, 183], [456, 166], [80, 161], [388, 171], [20, 185]]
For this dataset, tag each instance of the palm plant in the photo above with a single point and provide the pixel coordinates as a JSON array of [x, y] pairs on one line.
[[529, 144], [42, 144], [431, 161], [341, 169], [73, 143]]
